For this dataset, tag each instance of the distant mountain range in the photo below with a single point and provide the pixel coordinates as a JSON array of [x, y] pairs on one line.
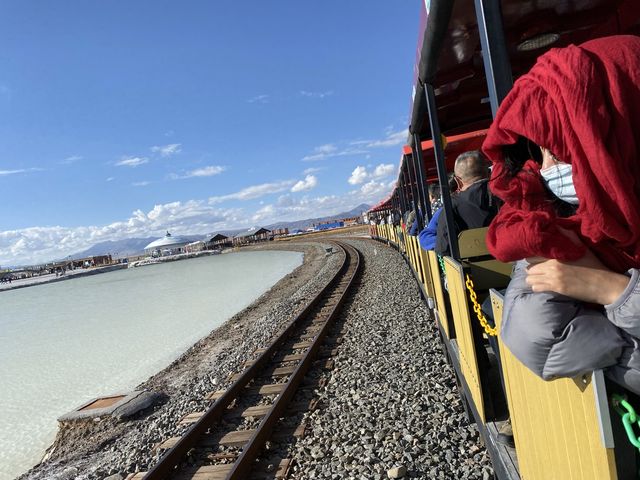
[[133, 246], [309, 222]]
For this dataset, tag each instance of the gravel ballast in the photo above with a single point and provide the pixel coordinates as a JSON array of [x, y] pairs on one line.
[[391, 408], [98, 449]]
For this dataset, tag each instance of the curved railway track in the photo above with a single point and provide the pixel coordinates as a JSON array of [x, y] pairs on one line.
[[231, 439]]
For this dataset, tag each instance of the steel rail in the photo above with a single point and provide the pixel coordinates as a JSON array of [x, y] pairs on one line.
[[172, 457], [252, 449]]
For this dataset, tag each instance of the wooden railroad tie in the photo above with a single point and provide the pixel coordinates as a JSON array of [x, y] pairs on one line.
[[287, 358], [237, 438], [276, 372], [257, 411], [219, 472], [273, 389]]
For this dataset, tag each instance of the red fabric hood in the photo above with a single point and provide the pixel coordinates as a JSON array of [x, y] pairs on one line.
[[582, 103]]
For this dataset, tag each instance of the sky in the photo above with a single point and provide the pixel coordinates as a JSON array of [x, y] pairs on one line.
[[129, 118]]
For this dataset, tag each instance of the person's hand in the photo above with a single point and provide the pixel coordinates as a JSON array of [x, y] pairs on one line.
[[586, 279]]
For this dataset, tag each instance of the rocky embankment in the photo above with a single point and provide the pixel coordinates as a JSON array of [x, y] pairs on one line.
[[98, 449], [391, 404]]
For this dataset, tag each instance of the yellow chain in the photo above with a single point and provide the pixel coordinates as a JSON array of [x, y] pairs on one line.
[[491, 331]]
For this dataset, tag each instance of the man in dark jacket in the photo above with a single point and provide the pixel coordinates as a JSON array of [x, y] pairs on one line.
[[473, 206]]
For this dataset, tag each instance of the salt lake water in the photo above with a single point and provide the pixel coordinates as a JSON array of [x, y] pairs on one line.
[[64, 343]]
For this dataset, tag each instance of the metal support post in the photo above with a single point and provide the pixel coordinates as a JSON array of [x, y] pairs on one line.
[[403, 189], [497, 67], [424, 195], [414, 184], [442, 169]]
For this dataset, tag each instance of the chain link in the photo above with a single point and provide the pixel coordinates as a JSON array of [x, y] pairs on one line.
[[441, 262], [628, 416], [488, 329]]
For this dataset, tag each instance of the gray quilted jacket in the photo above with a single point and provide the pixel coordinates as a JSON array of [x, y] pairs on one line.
[[557, 336]]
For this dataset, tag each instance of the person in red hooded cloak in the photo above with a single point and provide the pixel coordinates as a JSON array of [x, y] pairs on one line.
[[565, 147]]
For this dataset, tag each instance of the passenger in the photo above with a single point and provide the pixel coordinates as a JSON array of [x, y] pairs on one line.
[[414, 217], [415, 225], [409, 217], [473, 206], [395, 218], [414, 228], [428, 235], [571, 216], [435, 197]]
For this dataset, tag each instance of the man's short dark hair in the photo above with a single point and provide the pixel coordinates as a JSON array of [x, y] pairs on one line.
[[471, 165]]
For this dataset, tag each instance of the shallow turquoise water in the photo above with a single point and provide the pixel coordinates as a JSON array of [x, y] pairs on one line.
[[64, 343]]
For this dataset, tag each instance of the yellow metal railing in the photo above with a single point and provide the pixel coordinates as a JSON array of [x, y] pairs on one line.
[[557, 424], [439, 296], [464, 333]]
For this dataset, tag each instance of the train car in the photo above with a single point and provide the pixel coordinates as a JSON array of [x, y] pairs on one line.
[[468, 55]]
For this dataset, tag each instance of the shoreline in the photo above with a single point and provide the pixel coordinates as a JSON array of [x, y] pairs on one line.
[[79, 447], [51, 278]]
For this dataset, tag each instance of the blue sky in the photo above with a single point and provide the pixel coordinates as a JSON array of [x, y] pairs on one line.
[[123, 119]]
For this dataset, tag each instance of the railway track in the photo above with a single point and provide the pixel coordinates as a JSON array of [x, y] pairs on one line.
[[234, 438]]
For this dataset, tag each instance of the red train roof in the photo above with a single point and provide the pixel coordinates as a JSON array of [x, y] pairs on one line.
[[455, 145], [383, 205], [459, 77]]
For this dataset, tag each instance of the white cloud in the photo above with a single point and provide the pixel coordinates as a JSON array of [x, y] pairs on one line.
[[259, 99], [72, 159], [309, 183], [308, 171], [254, 191], [266, 212], [110, 179], [40, 244], [305, 93], [143, 183], [384, 170], [359, 175], [330, 150], [4, 173], [207, 171], [132, 162], [167, 150], [326, 149], [357, 147], [287, 208], [392, 139], [373, 188]]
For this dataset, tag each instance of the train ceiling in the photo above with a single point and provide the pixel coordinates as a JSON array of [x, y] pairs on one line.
[[531, 27]]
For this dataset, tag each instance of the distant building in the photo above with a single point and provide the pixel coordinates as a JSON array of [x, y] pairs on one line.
[[350, 222], [328, 225], [94, 261], [167, 245], [218, 241], [194, 247], [252, 236], [277, 232]]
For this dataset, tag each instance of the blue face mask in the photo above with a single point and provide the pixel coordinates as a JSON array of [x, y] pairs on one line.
[[560, 181]]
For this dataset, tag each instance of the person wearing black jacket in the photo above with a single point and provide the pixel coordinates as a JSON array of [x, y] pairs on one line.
[[474, 206]]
